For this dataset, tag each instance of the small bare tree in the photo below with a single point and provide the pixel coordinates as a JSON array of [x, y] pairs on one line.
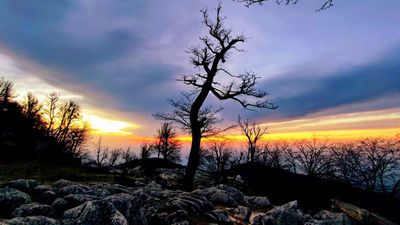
[[167, 146], [115, 155], [52, 100], [146, 150], [32, 110], [273, 155], [217, 157], [101, 154], [313, 158], [253, 133]]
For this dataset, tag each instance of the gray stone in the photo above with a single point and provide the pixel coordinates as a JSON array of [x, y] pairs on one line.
[[72, 189], [32, 220], [325, 217], [242, 212], [281, 215], [33, 209], [257, 202], [62, 183], [10, 199], [193, 204], [23, 185], [178, 216], [219, 216], [129, 206], [94, 212], [44, 194]]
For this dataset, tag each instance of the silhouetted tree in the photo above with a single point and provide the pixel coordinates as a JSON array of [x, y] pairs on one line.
[[208, 58], [146, 150], [326, 4], [115, 155], [32, 111], [216, 157], [102, 154], [313, 158], [273, 155], [6, 92], [167, 146], [253, 134], [52, 100]]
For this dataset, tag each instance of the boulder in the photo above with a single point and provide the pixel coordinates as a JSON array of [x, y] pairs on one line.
[[72, 189], [257, 202], [325, 217], [222, 195], [94, 212], [62, 183], [219, 216], [129, 206], [23, 185], [33, 209], [158, 219], [178, 216], [281, 215], [60, 205], [32, 220], [193, 204], [10, 199], [44, 194], [242, 212]]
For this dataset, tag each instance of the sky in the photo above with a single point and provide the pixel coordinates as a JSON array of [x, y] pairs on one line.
[[334, 73]]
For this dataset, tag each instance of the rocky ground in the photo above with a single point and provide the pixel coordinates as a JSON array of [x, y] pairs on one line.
[[66, 202]]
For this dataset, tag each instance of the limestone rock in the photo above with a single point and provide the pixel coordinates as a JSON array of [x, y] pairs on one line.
[[10, 199]]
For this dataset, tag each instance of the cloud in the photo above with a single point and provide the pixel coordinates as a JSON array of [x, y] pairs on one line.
[[299, 94]]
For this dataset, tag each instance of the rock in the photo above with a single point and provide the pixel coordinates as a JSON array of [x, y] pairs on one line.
[[72, 189], [153, 186], [98, 191], [158, 219], [32, 220], [281, 215], [23, 185], [44, 194], [182, 223], [10, 199], [256, 218], [129, 206], [257, 202], [178, 217], [78, 199], [62, 183], [33, 209], [219, 216], [222, 195], [242, 212], [239, 180], [325, 217], [94, 212], [193, 204], [60, 205]]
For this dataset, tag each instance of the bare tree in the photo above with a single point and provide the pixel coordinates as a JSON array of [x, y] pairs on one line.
[[52, 100], [6, 92], [128, 155], [253, 133], [115, 155], [68, 115], [146, 150], [313, 158], [372, 164], [167, 146], [32, 110], [326, 4], [101, 154], [208, 58], [217, 157], [273, 155]]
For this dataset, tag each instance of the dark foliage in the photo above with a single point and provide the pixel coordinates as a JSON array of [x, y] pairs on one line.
[[25, 135]]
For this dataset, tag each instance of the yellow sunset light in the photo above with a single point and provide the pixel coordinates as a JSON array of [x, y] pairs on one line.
[[105, 126]]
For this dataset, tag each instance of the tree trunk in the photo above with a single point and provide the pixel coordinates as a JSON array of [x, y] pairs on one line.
[[194, 158]]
